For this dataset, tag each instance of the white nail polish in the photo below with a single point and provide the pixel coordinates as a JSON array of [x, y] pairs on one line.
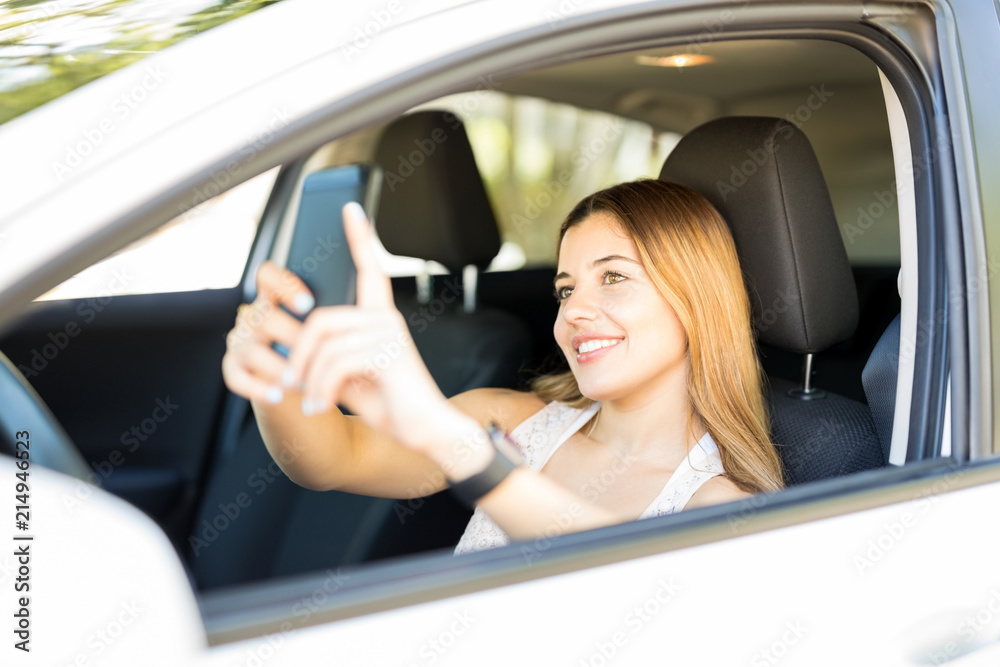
[[274, 395], [307, 408], [303, 303], [356, 210], [288, 376]]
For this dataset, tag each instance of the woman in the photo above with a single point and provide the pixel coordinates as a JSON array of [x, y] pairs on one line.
[[661, 409]]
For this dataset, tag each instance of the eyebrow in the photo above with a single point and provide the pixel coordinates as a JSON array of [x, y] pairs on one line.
[[598, 262]]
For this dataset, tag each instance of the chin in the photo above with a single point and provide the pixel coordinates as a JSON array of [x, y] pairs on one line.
[[601, 391]]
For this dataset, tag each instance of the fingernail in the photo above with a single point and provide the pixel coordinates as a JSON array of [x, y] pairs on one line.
[[303, 303], [307, 408], [288, 376], [356, 210], [319, 406], [274, 395]]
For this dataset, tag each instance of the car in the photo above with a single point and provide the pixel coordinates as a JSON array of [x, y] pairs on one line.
[[848, 145]]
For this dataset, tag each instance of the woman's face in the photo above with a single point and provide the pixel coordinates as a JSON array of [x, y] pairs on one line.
[[621, 337]]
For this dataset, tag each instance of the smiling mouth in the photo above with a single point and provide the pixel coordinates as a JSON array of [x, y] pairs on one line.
[[597, 344]]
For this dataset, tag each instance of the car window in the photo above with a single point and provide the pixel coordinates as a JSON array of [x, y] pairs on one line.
[[205, 247], [538, 157]]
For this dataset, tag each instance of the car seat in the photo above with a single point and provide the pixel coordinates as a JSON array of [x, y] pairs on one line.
[[879, 380], [433, 205], [763, 177]]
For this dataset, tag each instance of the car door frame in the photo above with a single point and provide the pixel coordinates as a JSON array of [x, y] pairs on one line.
[[434, 577]]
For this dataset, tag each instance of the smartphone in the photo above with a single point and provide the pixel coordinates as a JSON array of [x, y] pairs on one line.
[[318, 253]]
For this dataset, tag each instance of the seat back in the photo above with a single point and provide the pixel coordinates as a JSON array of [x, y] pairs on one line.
[[879, 380], [763, 177], [433, 205]]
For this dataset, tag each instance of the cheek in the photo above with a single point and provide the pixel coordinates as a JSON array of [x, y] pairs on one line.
[[560, 330], [625, 307], [674, 332], [625, 302], [655, 323]]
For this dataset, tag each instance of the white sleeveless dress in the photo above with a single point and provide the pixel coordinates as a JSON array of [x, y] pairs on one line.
[[540, 435]]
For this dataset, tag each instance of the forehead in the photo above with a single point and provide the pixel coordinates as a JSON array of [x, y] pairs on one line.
[[597, 235]]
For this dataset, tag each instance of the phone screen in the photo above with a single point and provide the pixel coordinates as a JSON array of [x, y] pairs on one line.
[[318, 253]]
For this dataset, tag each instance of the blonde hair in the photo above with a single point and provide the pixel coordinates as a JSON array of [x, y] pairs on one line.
[[688, 252]]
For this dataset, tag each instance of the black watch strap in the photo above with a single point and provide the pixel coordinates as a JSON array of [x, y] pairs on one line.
[[470, 490]]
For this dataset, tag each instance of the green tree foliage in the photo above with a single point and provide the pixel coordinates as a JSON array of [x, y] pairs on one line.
[[50, 47]]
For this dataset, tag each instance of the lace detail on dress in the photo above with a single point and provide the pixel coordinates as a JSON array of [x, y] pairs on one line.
[[536, 434], [542, 433], [688, 478], [535, 437]]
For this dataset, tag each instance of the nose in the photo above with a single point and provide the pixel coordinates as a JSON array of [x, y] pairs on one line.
[[580, 305]]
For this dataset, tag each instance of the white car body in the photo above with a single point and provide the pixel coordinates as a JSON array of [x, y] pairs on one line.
[[898, 576]]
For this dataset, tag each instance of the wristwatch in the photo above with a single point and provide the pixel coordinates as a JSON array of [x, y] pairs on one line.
[[505, 459]]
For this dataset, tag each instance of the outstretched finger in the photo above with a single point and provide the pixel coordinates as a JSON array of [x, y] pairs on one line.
[[374, 289]]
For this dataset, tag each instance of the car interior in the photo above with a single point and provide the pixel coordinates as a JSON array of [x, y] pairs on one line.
[[788, 138]]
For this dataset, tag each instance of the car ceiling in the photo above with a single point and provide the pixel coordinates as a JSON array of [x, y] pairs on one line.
[[765, 77], [679, 98], [769, 77]]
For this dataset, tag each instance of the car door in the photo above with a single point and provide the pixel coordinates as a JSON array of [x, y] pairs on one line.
[[814, 575], [148, 344], [844, 570]]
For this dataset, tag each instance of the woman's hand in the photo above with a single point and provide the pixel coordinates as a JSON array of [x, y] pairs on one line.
[[362, 357], [251, 368]]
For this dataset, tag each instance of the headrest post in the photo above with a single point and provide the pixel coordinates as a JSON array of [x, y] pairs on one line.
[[807, 392], [470, 283], [425, 286]]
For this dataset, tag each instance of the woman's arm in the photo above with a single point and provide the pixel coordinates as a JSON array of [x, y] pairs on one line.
[[326, 449], [526, 504], [407, 440], [331, 451]]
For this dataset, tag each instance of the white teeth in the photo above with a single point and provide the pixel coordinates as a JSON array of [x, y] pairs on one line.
[[597, 344]]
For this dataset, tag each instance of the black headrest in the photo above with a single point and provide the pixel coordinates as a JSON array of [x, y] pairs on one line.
[[763, 177], [433, 204]]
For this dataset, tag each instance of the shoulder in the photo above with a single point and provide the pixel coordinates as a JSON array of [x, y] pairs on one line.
[[717, 490], [506, 407]]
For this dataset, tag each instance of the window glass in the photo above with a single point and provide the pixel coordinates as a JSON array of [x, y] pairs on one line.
[[204, 248], [539, 158]]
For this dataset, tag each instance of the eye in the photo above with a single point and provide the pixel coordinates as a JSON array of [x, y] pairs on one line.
[[613, 277], [563, 292]]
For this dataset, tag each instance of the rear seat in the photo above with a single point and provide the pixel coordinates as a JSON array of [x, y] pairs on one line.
[[436, 209]]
